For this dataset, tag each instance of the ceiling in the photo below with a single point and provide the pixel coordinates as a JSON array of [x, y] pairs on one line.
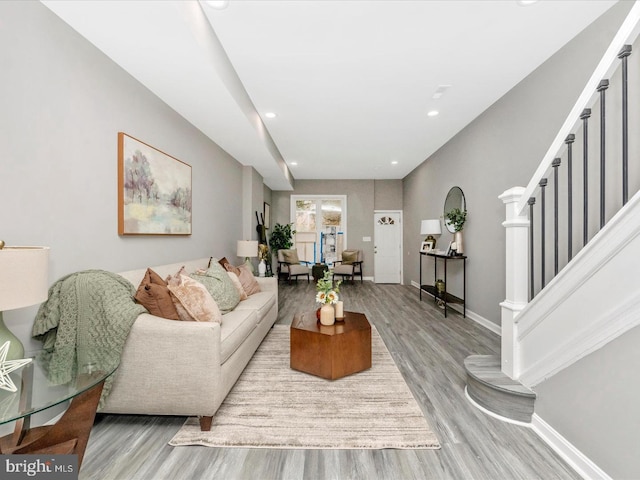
[[351, 82]]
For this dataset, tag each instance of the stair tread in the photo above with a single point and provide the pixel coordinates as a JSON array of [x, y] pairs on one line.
[[487, 370]]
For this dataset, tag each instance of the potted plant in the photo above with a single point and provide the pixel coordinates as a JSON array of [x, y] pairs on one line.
[[281, 237], [457, 219]]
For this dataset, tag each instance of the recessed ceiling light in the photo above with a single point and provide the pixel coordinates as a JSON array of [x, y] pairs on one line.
[[394, 162], [294, 164], [433, 113], [218, 4], [270, 115], [526, 3], [440, 91]]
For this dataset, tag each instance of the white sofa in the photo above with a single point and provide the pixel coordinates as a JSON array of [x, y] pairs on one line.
[[170, 367]]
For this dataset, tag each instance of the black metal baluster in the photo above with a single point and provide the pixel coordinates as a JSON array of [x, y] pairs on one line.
[[543, 239], [531, 202], [602, 88], [555, 164], [584, 116], [569, 141], [624, 53]]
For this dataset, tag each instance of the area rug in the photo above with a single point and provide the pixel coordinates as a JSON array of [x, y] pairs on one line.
[[272, 406]]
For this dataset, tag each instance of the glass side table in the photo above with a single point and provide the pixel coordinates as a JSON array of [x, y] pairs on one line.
[[37, 393]]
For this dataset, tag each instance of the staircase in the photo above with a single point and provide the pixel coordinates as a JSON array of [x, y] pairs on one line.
[[568, 293], [495, 391]]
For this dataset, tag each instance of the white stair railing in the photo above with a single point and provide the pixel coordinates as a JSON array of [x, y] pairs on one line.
[[517, 225]]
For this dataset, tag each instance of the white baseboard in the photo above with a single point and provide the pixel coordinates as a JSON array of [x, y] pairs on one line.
[[479, 319], [570, 454]]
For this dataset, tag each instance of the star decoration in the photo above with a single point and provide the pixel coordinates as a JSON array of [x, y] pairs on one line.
[[8, 366]]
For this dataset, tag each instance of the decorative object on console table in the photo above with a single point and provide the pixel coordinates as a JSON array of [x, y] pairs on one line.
[[430, 228], [263, 257], [154, 190], [24, 282], [248, 249]]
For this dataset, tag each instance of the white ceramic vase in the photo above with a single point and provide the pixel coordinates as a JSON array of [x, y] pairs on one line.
[[457, 237], [327, 314], [262, 268]]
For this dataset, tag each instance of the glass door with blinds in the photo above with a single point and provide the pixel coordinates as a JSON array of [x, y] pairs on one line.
[[320, 222]]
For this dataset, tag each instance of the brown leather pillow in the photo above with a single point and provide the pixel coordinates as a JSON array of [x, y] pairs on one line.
[[223, 261], [349, 256], [154, 295]]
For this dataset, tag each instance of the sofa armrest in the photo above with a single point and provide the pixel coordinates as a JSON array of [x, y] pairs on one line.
[[168, 367]]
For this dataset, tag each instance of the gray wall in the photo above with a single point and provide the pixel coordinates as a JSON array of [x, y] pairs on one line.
[[594, 404], [362, 197], [63, 104], [500, 149]]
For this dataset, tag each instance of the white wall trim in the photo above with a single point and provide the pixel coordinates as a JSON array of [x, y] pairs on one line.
[[597, 334], [577, 312], [486, 323], [570, 454]]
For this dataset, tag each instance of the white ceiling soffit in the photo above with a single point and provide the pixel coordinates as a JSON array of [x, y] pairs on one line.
[[351, 82]]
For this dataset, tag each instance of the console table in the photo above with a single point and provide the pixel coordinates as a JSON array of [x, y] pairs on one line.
[[445, 297], [37, 393]]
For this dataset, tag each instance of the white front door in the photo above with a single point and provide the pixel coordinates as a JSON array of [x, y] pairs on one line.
[[387, 247]]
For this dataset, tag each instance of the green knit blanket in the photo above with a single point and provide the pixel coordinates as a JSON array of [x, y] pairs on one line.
[[84, 324]]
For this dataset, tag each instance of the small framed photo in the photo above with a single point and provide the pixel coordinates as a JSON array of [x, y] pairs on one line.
[[426, 247], [450, 250]]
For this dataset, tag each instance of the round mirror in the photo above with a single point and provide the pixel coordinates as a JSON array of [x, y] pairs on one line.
[[455, 199]]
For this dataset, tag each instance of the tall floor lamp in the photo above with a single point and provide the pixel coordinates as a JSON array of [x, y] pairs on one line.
[[24, 281]]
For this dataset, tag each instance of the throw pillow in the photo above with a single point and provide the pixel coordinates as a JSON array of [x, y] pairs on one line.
[[220, 286], [248, 281], [236, 282], [290, 256], [349, 256], [154, 295], [223, 261], [195, 299]]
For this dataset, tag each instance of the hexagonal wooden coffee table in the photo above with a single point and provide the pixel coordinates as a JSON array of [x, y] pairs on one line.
[[333, 351]]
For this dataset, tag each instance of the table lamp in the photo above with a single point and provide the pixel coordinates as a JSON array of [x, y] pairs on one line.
[[430, 228], [24, 281], [247, 249]]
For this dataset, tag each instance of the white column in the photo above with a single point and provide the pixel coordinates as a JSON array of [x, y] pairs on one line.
[[517, 278]]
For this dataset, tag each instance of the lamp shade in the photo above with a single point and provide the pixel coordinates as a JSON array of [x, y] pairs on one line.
[[430, 227], [24, 276], [247, 248]]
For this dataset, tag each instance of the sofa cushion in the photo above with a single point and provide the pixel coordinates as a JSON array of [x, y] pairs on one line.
[[236, 282], [235, 328], [154, 295], [195, 299], [261, 302], [220, 286], [248, 281]]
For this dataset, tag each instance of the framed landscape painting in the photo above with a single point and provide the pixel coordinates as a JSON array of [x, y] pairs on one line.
[[154, 190]]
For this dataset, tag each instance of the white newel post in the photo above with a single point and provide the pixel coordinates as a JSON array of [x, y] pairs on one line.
[[517, 278]]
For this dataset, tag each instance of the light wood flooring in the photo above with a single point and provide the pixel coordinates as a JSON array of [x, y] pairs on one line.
[[429, 351]]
